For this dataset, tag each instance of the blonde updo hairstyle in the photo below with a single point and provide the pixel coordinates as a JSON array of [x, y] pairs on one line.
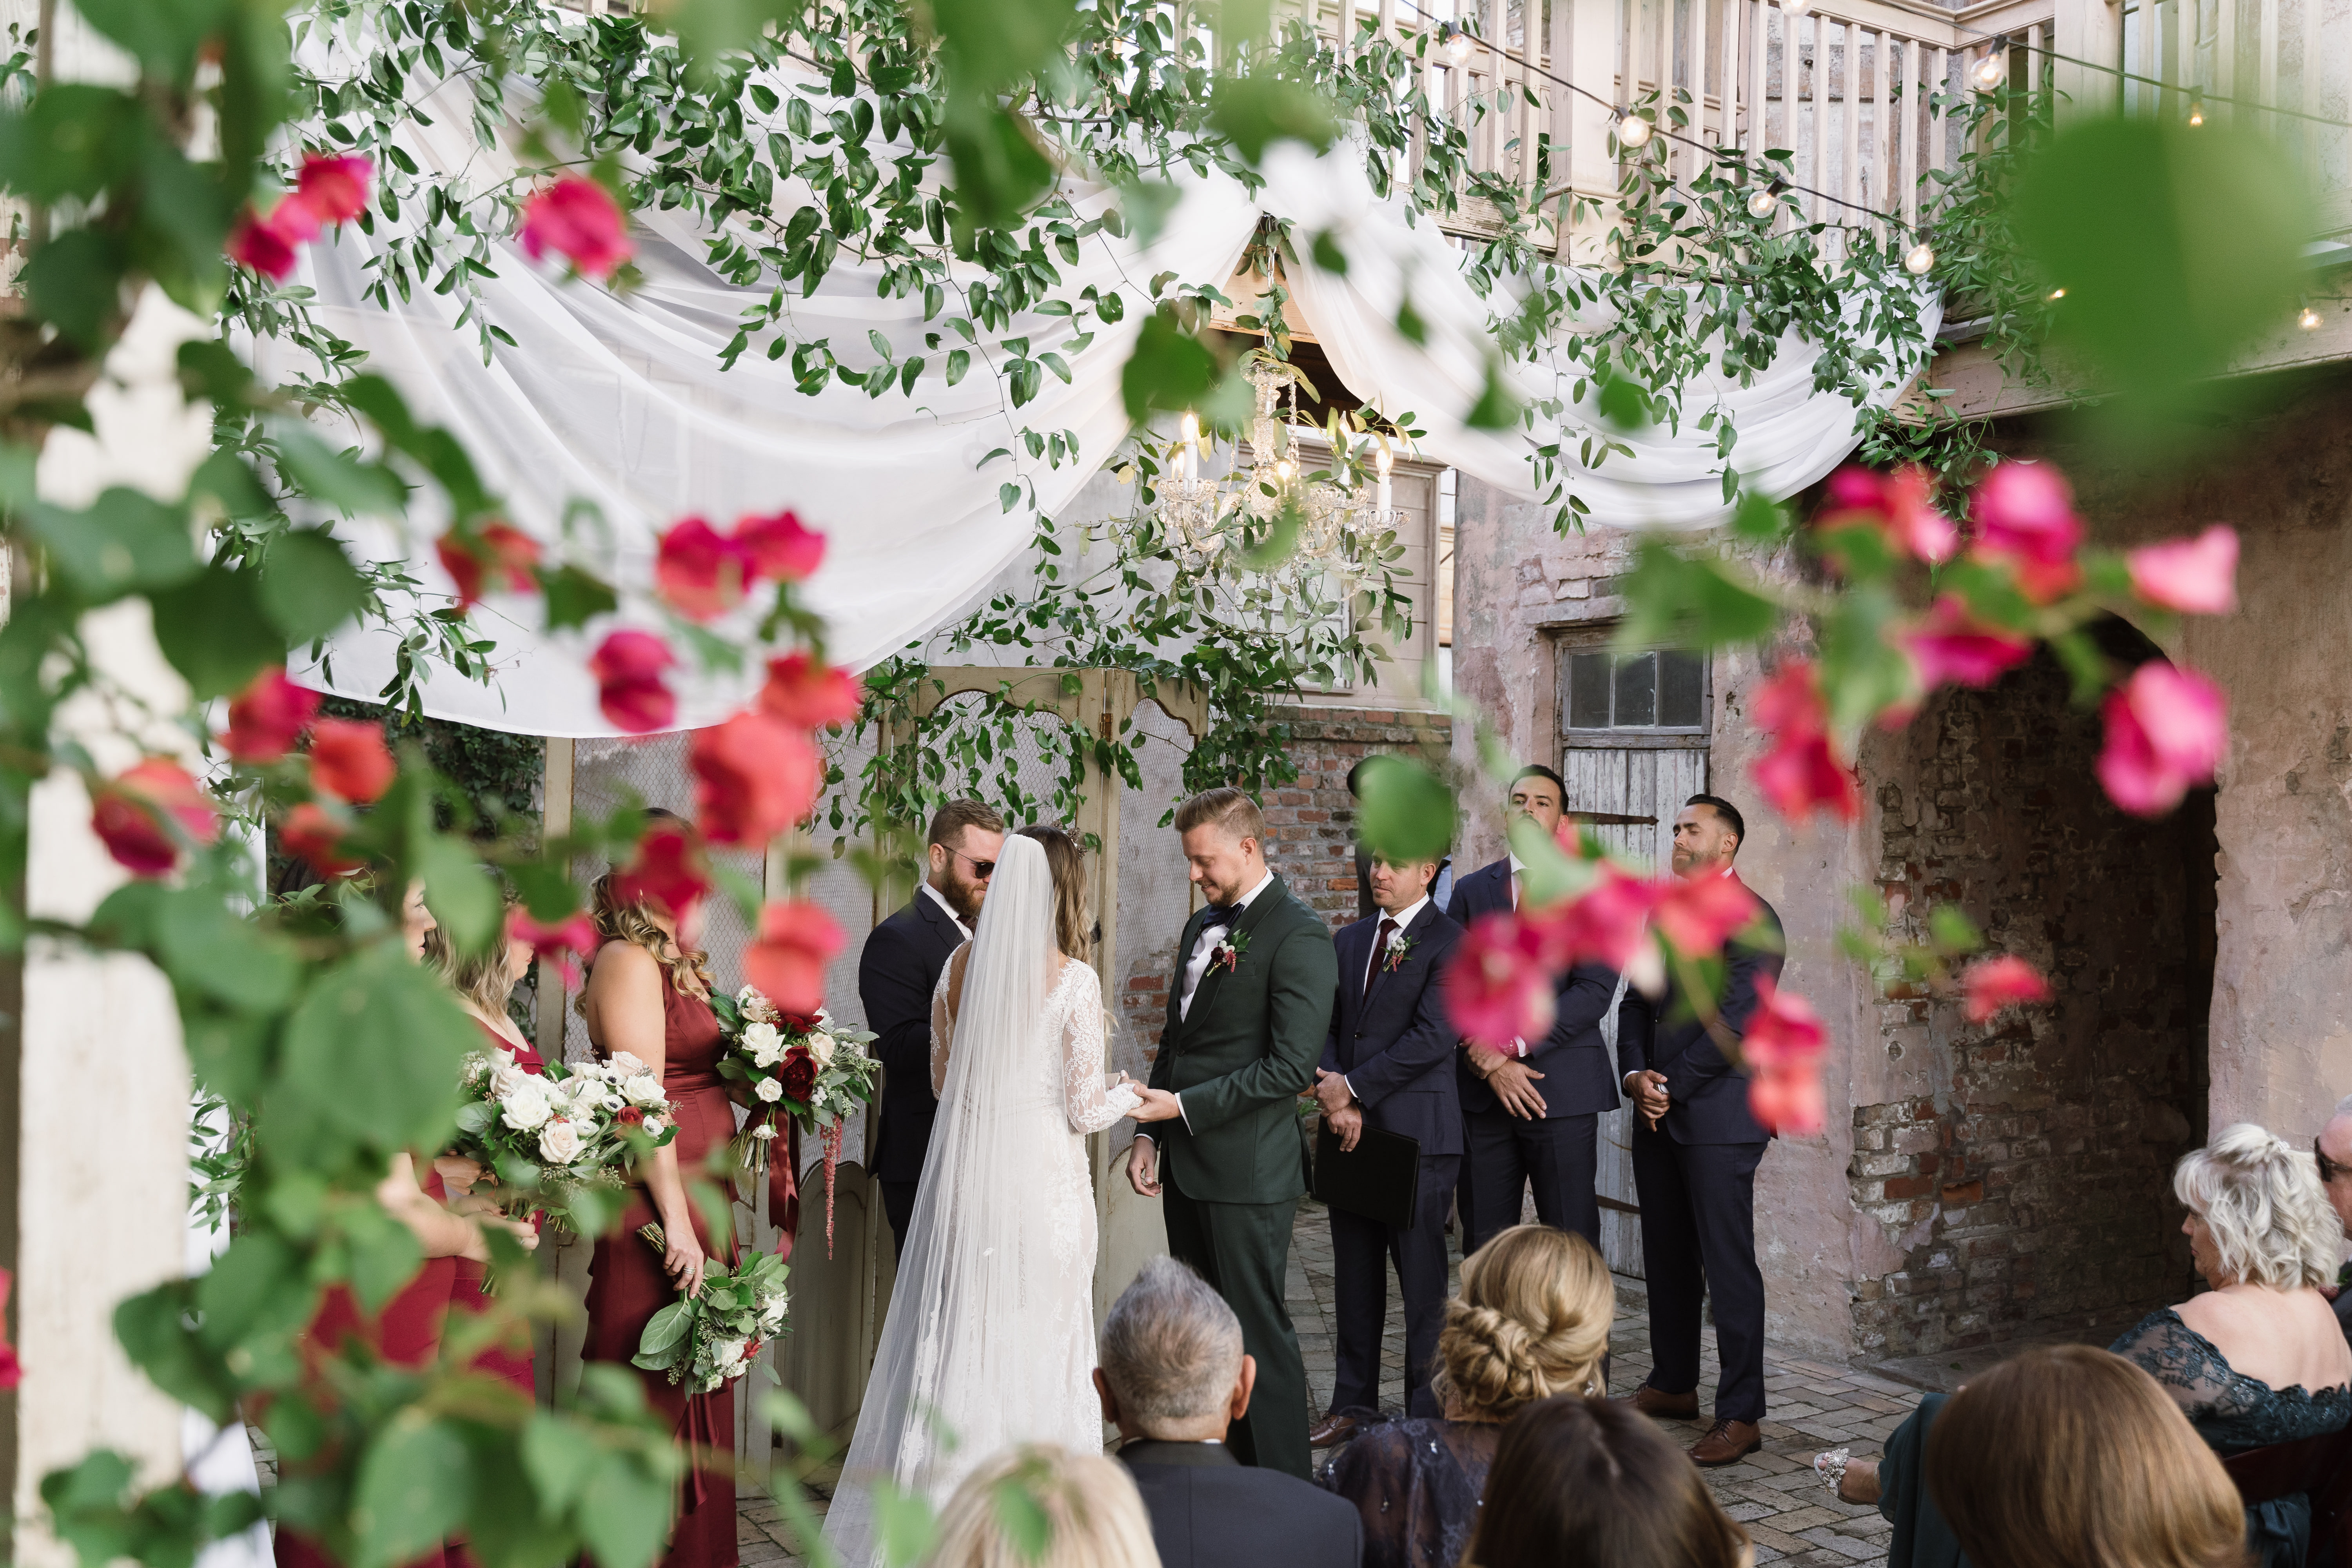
[[2263, 1203], [1532, 1321]]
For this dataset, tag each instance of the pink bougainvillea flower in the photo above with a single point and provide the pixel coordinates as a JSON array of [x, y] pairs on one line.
[[266, 244], [312, 833], [268, 716], [629, 666], [134, 813], [567, 941], [2025, 520], [796, 940], [780, 548], [1499, 986], [1788, 1101], [701, 572], [12, 1371], [668, 869], [1699, 914], [350, 761], [2196, 576], [1948, 644], [1802, 772], [499, 556], [801, 690], [1782, 1053], [2167, 729], [334, 187], [1990, 984], [1607, 923], [754, 776], [1902, 504], [578, 219]]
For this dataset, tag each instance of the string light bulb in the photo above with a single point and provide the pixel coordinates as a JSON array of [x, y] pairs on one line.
[[1459, 45], [2056, 294], [1632, 130], [1764, 201], [1920, 261], [2308, 320], [1993, 69], [1795, 8], [2196, 108]]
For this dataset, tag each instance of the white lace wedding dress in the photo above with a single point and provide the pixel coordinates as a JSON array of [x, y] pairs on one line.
[[989, 1340]]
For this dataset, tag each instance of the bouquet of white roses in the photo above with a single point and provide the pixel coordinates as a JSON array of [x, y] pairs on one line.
[[807, 1068], [560, 1142], [715, 1336]]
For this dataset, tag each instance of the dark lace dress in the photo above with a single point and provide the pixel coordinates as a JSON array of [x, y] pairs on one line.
[[1417, 1482], [2233, 1412]]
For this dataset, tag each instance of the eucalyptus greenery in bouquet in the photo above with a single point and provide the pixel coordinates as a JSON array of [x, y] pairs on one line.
[[714, 1336], [562, 1143]]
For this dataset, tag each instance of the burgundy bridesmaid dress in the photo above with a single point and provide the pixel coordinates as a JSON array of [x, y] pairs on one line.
[[628, 1285], [470, 1286]]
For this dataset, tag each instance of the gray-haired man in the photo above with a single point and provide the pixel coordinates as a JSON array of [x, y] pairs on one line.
[[1173, 1379]]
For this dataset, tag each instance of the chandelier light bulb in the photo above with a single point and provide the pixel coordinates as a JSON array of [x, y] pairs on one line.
[[1762, 203], [2057, 294], [1188, 432], [2308, 320], [1458, 46], [1632, 130], [1993, 69], [1795, 8], [1920, 261], [2196, 109]]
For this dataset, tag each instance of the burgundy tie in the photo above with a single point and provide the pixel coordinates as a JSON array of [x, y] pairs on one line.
[[1380, 952]]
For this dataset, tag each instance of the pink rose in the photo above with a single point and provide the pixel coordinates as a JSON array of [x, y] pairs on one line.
[[780, 547], [1607, 923], [796, 940], [2025, 520], [134, 811], [2166, 728], [667, 870], [1803, 770], [802, 690], [629, 666], [1699, 914], [1902, 505], [350, 761], [496, 551], [1993, 983], [2196, 576], [267, 718], [579, 219], [700, 571], [334, 187], [755, 777]]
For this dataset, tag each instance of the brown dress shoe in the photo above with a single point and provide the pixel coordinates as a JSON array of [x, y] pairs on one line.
[[1658, 1402], [1726, 1442], [1331, 1431]]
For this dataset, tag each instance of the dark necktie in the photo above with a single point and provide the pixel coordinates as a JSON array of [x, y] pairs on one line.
[[1380, 953]]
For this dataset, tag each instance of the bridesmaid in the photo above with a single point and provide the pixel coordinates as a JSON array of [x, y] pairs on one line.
[[482, 982], [407, 1331], [648, 995]]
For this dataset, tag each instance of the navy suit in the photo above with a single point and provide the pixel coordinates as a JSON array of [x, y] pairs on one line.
[[1697, 1176], [1395, 1046], [896, 975], [1557, 1155]]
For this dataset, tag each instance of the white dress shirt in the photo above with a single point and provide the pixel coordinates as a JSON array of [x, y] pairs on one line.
[[1197, 966], [1403, 918], [940, 899]]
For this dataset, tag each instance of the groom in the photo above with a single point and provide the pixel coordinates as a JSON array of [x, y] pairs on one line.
[[1246, 1017]]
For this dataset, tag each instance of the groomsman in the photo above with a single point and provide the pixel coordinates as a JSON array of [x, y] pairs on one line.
[[1695, 1149], [1389, 1066], [896, 976], [1531, 1112]]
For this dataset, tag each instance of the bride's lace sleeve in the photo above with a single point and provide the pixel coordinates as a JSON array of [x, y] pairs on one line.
[[1091, 1106], [942, 1024]]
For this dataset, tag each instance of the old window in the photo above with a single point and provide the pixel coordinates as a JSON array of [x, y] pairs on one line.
[[1661, 692]]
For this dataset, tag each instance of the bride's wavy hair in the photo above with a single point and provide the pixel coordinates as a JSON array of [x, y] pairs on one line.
[[1073, 924], [632, 921]]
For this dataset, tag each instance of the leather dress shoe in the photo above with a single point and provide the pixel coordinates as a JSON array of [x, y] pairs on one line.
[[1658, 1402], [1331, 1431], [1726, 1442]]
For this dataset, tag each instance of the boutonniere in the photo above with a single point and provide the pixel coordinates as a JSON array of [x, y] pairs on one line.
[[1398, 949], [1227, 954]]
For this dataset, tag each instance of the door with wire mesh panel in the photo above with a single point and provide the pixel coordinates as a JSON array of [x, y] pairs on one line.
[[1634, 730]]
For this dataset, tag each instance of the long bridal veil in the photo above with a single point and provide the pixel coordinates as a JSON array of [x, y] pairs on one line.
[[955, 1377]]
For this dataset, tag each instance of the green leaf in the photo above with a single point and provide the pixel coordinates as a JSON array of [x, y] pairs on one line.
[[987, 46], [374, 1046], [162, 35], [1257, 111], [1497, 408], [125, 541], [153, 1329], [256, 1287], [665, 1337], [342, 479], [574, 597], [75, 141], [75, 283], [1759, 519], [1280, 540], [1000, 168], [308, 587], [625, 1514], [415, 1482], [558, 1458], [205, 947], [1328, 255], [1404, 812], [460, 894], [1169, 368], [214, 633]]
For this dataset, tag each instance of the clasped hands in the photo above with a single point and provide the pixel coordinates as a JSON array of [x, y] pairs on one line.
[[1648, 1088], [1337, 1103]]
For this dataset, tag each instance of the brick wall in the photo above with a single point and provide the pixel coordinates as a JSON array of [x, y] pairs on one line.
[[2029, 1193], [1310, 823]]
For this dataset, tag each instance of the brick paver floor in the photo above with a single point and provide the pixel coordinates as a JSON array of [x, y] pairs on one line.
[[1774, 1493]]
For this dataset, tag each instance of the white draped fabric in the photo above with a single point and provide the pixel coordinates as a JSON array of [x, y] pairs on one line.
[[620, 401]]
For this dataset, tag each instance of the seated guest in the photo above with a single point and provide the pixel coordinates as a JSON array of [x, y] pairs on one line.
[[2068, 1456], [1597, 1484], [2258, 1359], [1532, 1321], [2333, 1149], [1093, 1517], [1172, 1379]]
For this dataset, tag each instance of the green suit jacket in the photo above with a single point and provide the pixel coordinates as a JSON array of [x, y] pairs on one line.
[[1243, 1053]]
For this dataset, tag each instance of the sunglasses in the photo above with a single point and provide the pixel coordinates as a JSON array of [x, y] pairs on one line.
[[2328, 1169], [982, 869]]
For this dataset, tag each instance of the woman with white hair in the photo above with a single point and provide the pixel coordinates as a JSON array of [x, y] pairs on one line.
[[2257, 1359]]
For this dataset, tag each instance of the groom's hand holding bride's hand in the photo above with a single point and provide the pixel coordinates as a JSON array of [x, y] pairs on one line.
[[1157, 1105]]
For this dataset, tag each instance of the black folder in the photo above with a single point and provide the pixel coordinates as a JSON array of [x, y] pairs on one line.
[[1379, 1179]]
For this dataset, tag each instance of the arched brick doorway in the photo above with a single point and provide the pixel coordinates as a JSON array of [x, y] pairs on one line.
[[2023, 1179]]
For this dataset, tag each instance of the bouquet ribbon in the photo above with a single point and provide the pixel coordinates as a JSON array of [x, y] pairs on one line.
[[785, 1184]]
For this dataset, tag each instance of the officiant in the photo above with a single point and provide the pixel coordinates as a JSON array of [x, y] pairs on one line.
[[1388, 1067]]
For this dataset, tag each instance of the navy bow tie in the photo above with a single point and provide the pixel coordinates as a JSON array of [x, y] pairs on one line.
[[1221, 915]]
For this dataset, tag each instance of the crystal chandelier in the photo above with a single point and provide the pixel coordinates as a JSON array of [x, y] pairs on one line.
[[1205, 519]]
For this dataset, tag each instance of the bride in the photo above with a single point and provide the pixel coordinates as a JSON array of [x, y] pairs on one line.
[[990, 1340]]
